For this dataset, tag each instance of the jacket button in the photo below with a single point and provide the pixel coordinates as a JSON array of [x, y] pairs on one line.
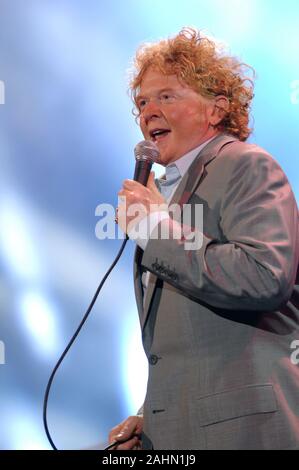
[[153, 359]]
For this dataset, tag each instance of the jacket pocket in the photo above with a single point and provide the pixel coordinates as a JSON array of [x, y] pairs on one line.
[[235, 403]]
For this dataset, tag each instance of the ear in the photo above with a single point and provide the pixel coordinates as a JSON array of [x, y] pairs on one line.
[[220, 110]]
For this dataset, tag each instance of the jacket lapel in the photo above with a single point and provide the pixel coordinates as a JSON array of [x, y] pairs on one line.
[[183, 193], [193, 176]]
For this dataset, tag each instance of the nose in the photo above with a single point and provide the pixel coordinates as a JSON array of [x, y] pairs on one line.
[[151, 111]]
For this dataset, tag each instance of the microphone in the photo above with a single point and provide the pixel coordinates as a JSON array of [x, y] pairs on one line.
[[146, 153]]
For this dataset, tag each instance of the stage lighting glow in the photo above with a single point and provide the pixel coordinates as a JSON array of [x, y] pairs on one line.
[[16, 240], [23, 431], [39, 318], [241, 18], [135, 368]]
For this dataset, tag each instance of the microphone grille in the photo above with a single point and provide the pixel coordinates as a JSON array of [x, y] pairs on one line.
[[147, 150]]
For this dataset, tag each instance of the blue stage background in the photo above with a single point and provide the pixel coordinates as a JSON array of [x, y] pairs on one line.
[[66, 143]]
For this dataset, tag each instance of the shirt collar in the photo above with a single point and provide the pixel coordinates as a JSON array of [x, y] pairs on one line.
[[183, 163]]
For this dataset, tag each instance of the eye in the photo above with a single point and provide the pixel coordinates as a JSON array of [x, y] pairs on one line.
[[167, 98], [141, 103]]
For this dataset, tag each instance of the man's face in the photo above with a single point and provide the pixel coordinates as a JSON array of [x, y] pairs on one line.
[[173, 115]]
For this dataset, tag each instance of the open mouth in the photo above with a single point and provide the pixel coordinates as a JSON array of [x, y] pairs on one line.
[[159, 134]]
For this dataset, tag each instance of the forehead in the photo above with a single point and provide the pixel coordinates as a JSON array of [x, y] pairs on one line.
[[154, 80]]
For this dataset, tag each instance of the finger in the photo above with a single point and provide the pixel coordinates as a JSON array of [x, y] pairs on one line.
[[113, 433], [123, 193], [130, 184], [130, 428], [129, 445], [122, 442], [125, 196], [126, 431]]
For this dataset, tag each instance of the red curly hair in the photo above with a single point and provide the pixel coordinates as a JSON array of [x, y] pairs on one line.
[[201, 64]]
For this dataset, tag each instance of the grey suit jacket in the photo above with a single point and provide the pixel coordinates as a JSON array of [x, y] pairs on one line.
[[219, 323]]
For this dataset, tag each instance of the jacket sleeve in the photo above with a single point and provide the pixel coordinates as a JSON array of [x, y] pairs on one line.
[[254, 266]]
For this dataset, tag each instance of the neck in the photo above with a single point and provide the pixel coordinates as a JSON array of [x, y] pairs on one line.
[[208, 136]]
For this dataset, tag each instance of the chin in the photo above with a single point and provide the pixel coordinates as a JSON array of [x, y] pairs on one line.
[[165, 157], [164, 160]]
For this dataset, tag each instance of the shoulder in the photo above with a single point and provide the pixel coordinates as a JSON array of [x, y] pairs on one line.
[[244, 158], [237, 150]]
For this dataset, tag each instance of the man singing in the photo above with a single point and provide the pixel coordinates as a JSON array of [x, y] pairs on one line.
[[218, 321]]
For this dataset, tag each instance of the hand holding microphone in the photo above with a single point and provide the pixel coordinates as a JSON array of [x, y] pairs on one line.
[[140, 195]]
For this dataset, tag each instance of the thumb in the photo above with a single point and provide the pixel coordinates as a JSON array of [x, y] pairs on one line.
[[151, 182]]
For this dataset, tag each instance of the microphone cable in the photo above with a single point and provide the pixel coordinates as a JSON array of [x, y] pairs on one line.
[[146, 153], [46, 396]]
